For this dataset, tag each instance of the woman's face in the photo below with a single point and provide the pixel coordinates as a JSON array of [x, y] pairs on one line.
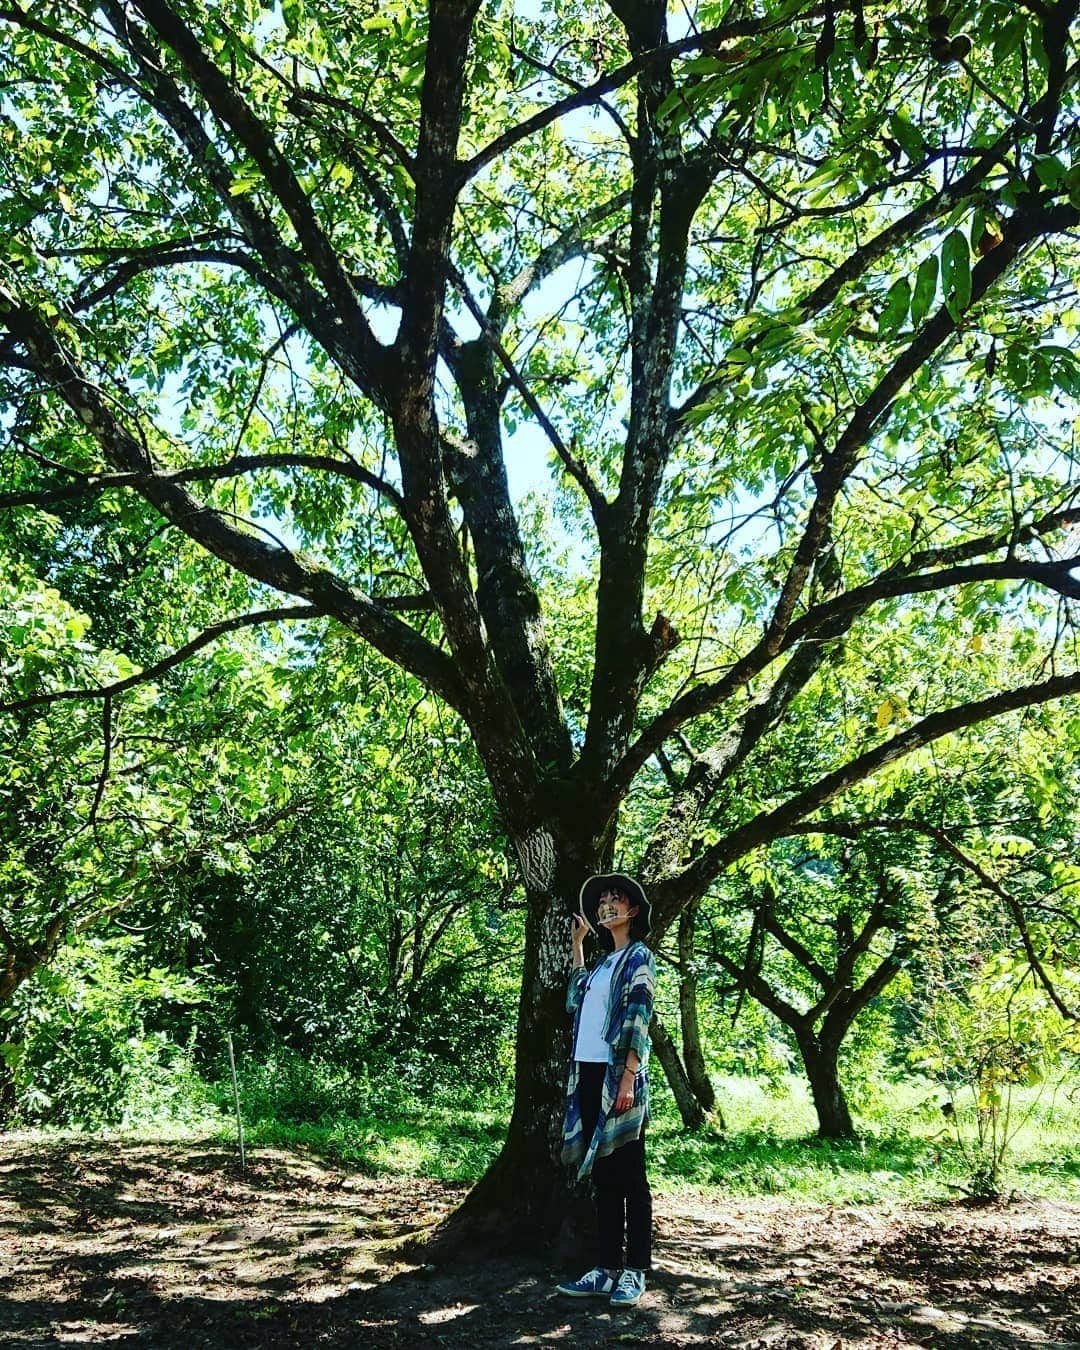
[[614, 909]]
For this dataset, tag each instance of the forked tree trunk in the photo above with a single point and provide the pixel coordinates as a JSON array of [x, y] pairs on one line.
[[690, 1109], [819, 1058], [693, 1056]]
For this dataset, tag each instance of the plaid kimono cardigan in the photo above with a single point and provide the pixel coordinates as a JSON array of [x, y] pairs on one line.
[[627, 1029]]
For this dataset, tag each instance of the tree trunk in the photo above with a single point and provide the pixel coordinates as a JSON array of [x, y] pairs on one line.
[[696, 1073], [12, 977], [7, 1092], [527, 1199], [693, 1115], [820, 1061], [16, 971]]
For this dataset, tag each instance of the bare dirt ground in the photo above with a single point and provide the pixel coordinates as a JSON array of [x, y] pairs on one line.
[[167, 1245]]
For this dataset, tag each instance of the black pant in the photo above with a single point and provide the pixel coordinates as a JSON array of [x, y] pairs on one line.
[[623, 1198]]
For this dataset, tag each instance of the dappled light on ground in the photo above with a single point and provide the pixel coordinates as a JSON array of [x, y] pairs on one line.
[[167, 1245]]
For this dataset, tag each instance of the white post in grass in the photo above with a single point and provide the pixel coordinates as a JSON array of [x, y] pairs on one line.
[[236, 1101]]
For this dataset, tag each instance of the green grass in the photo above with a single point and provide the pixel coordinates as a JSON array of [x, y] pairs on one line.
[[906, 1151], [447, 1144]]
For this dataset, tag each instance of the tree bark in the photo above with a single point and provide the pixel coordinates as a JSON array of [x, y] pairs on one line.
[[819, 1058], [690, 1108], [8, 1098], [527, 1196], [696, 1073]]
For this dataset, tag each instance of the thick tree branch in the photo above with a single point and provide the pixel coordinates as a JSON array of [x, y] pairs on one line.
[[417, 346], [673, 837], [762, 991], [815, 625], [494, 713], [574, 466], [781, 630], [572, 243], [908, 227], [283, 272], [150, 261], [626, 655], [838, 992], [253, 134], [92, 484], [1016, 536], [1057, 20], [848, 1006], [1055, 576], [272, 565], [672, 892], [795, 948], [506, 593], [1020, 230]]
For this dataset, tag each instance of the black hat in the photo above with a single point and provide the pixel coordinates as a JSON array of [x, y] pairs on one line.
[[591, 892]]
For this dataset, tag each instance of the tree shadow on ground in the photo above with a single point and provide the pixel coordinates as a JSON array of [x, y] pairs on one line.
[[165, 1245]]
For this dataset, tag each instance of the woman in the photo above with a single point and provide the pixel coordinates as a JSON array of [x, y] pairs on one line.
[[607, 1098]]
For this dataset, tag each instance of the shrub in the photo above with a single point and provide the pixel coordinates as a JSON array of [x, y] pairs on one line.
[[78, 1048]]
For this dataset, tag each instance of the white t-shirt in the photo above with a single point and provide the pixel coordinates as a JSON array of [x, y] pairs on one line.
[[590, 1045]]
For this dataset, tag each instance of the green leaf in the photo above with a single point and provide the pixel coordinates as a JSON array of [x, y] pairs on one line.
[[925, 289], [245, 181], [908, 136], [1009, 37], [701, 65], [956, 273], [896, 307], [292, 11], [978, 225], [1051, 171], [827, 173]]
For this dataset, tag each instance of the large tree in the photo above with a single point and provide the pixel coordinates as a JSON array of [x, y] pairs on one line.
[[776, 287]]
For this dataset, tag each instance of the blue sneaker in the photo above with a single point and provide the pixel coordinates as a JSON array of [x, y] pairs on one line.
[[596, 1283], [628, 1288]]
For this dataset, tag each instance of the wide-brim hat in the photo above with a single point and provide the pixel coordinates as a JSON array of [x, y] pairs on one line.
[[592, 890]]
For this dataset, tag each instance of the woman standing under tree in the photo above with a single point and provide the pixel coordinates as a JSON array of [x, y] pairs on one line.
[[607, 1098]]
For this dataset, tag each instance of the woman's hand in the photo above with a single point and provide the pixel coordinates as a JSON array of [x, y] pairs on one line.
[[625, 1099], [579, 926]]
